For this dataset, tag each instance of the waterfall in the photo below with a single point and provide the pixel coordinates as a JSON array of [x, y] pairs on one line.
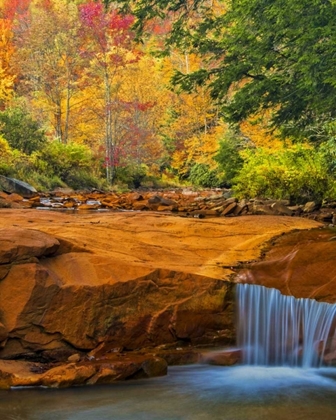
[[278, 330]]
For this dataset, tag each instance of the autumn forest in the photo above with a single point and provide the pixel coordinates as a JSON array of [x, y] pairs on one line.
[[205, 93]]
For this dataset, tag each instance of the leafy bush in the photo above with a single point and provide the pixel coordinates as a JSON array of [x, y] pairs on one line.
[[62, 159], [73, 164], [131, 175], [297, 173], [20, 130], [43, 182], [229, 160], [203, 176], [55, 165], [82, 179]]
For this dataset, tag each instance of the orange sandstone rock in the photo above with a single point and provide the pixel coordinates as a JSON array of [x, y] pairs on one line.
[[130, 280]]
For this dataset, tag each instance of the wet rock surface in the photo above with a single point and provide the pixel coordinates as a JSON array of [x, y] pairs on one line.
[[227, 357], [80, 289], [300, 264], [22, 373]]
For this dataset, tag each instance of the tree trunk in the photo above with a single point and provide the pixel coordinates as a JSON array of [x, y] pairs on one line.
[[58, 121], [108, 130]]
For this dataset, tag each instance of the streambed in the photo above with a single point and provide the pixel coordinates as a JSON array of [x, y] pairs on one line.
[[197, 392]]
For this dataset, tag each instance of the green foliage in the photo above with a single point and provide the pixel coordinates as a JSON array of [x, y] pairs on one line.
[[20, 130], [229, 159], [279, 56], [63, 160], [55, 165], [131, 175], [83, 179], [297, 173], [203, 176], [41, 181]]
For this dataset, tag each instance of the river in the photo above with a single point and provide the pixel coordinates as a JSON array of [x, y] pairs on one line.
[[197, 392]]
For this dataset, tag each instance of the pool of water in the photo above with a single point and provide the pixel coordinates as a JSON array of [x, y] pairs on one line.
[[197, 392]]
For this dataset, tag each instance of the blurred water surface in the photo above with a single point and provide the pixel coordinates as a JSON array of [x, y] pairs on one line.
[[197, 392]]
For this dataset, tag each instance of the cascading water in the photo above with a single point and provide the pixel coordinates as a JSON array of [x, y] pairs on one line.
[[278, 330]]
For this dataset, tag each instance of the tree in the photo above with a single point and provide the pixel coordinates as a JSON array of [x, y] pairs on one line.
[[47, 54], [109, 49], [141, 107], [262, 55]]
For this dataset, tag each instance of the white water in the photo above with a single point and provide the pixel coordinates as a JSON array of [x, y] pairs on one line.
[[278, 330]]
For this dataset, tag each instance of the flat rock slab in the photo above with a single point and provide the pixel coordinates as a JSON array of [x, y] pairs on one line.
[[207, 247]]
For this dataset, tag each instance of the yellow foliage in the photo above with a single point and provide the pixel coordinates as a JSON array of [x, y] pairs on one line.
[[5, 150], [6, 52], [199, 149], [256, 129]]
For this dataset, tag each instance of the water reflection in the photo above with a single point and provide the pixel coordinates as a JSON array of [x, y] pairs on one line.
[[187, 393]]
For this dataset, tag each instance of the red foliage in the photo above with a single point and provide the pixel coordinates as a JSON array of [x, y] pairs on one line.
[[159, 27], [104, 24], [16, 8]]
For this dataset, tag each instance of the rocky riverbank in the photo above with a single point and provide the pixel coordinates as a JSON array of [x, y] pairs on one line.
[[185, 203]]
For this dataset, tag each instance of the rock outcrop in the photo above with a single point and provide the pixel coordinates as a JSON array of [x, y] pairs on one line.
[[120, 281]]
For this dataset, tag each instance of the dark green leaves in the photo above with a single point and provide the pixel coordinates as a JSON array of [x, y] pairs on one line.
[[258, 54]]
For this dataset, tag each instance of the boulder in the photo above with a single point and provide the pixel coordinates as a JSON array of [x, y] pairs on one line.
[[263, 209], [229, 209], [19, 244], [12, 185], [19, 373], [155, 199], [168, 202], [140, 205], [67, 375], [178, 356], [223, 358], [14, 197], [153, 367], [311, 206], [281, 209], [5, 204], [106, 375], [93, 206], [74, 358]]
